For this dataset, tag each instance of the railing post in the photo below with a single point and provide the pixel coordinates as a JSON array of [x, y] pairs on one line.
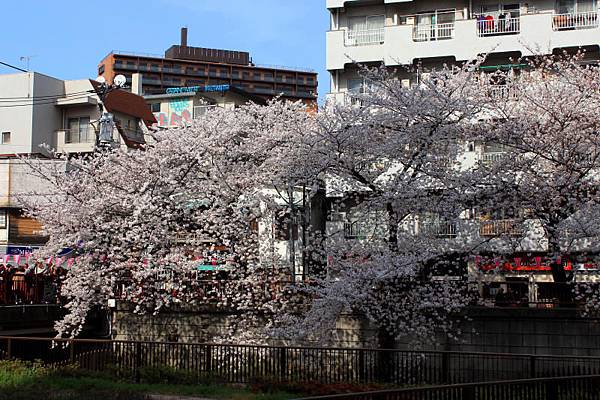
[[71, 352], [532, 366], [283, 362], [445, 368], [468, 393], [209, 358], [551, 390], [9, 349], [138, 361], [361, 366]]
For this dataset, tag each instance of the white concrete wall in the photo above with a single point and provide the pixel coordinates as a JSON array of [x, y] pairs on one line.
[[16, 117], [47, 117]]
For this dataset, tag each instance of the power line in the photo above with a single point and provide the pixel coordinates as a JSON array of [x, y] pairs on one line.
[[24, 98], [40, 103], [13, 67]]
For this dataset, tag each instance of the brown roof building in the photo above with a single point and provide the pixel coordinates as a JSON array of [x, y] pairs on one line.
[[184, 66]]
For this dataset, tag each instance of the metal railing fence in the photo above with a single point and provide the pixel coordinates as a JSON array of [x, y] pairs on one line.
[[251, 363], [564, 388]]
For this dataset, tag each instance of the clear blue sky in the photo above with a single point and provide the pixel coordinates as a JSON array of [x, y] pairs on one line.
[[67, 38]]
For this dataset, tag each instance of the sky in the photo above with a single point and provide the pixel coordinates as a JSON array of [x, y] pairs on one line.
[[67, 39]]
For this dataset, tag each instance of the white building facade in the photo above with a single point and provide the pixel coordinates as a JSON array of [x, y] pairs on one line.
[[427, 34], [432, 32]]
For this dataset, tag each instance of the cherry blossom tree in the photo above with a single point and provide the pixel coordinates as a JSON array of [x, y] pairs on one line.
[[399, 177]]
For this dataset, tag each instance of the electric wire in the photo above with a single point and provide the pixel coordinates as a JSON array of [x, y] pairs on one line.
[[13, 67], [49, 97], [41, 102]]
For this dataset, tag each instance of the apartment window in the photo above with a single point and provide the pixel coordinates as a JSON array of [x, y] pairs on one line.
[[575, 6], [3, 218], [575, 14], [5, 137], [365, 30], [435, 25], [366, 22], [78, 131], [101, 69]]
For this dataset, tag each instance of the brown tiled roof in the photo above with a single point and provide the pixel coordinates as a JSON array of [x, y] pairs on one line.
[[127, 103]]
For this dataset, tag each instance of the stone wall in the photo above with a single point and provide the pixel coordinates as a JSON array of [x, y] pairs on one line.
[[534, 331], [525, 330], [201, 326]]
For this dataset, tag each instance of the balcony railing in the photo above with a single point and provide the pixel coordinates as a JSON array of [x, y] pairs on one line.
[[364, 37], [498, 26], [575, 20], [427, 32], [87, 135], [353, 230], [500, 227], [439, 229], [492, 157], [502, 92]]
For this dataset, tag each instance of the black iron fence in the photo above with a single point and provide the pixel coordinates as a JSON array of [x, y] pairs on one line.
[[564, 388], [248, 363]]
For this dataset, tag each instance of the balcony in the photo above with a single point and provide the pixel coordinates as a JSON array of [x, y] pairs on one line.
[[427, 32], [572, 21], [501, 227], [75, 141], [364, 37], [498, 26]]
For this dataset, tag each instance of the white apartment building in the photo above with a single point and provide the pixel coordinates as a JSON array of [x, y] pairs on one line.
[[432, 32]]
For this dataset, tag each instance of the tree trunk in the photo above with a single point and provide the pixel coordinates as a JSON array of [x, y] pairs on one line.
[[392, 227], [385, 358]]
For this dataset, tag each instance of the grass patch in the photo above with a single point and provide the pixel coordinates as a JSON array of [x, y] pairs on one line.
[[31, 380]]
